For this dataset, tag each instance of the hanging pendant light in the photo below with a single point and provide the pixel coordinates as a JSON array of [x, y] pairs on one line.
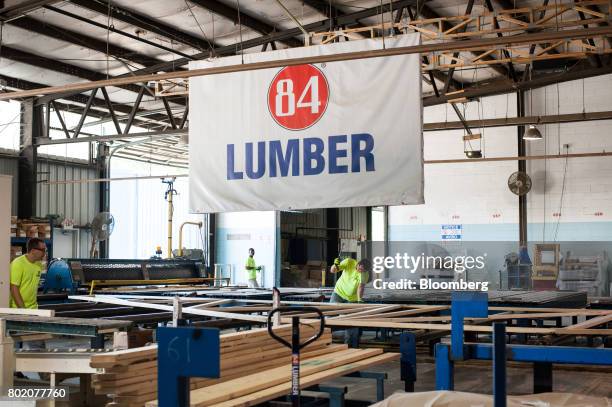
[[532, 133]]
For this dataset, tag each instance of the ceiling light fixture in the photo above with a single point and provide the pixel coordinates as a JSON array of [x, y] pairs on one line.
[[532, 133]]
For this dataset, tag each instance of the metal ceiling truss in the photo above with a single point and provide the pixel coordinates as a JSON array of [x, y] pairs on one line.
[[144, 22], [20, 9], [111, 28], [73, 37], [167, 148], [152, 118]]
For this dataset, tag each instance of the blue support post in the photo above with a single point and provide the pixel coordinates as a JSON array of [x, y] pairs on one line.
[[408, 360], [465, 304], [523, 323], [351, 337], [444, 368], [380, 381], [183, 353], [499, 364], [336, 395], [542, 377]]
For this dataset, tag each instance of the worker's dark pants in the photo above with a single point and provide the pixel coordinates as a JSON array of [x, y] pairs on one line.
[[351, 335]]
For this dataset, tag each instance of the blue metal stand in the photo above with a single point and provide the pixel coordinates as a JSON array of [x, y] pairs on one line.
[[499, 364], [183, 353], [336, 394], [380, 381], [408, 360], [466, 304]]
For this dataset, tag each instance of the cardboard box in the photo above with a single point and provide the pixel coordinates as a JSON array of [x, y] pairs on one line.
[[16, 251]]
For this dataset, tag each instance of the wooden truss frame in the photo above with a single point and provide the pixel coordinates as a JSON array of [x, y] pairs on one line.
[[515, 20], [488, 24]]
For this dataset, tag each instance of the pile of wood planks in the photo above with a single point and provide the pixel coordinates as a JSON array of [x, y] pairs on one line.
[[130, 376], [256, 388]]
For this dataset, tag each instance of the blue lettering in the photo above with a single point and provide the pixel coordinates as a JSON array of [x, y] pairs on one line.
[[292, 156], [231, 174], [284, 159], [316, 155], [261, 160], [334, 154], [366, 152]]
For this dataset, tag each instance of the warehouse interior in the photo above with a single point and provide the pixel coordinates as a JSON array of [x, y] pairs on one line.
[[142, 298]]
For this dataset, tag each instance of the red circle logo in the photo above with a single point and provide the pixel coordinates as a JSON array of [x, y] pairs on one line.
[[298, 96]]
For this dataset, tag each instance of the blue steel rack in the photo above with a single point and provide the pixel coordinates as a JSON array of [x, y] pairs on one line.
[[474, 304]]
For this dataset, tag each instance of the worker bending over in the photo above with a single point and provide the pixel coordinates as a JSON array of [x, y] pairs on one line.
[[350, 285], [252, 269]]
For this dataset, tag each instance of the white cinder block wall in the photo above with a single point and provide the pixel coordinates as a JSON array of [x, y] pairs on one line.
[[476, 196], [586, 208]]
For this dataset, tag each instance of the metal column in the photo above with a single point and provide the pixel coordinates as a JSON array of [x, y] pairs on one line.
[[332, 216], [103, 172], [31, 129], [522, 166]]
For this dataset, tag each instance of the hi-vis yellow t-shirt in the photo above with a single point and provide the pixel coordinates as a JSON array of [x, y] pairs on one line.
[[252, 272], [26, 275], [349, 281]]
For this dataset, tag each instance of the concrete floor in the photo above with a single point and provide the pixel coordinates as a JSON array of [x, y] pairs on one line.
[[478, 378]]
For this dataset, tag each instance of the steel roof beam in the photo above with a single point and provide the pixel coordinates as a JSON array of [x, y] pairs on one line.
[[246, 20], [112, 28], [20, 9], [63, 34], [144, 22], [499, 87], [82, 99], [57, 66], [322, 25]]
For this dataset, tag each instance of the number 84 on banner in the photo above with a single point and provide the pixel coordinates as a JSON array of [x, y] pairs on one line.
[[298, 96]]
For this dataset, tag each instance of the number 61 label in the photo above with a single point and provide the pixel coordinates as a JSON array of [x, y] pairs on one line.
[[298, 96]]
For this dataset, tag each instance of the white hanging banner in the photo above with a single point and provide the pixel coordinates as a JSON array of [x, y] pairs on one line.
[[336, 134]]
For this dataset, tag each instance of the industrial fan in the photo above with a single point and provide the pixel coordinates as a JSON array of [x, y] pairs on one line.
[[101, 228], [519, 183]]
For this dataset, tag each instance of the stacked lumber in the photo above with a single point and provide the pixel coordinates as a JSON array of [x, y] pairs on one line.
[[267, 385], [130, 376]]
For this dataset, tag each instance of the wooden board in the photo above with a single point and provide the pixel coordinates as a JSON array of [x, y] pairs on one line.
[[273, 392], [228, 343], [139, 304], [28, 311], [468, 328], [590, 323], [272, 377]]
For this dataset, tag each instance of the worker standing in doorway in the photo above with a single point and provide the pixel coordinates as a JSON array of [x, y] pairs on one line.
[[350, 285], [25, 275], [252, 269]]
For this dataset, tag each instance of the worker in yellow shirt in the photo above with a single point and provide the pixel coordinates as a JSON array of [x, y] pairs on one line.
[[350, 285], [349, 288], [252, 269], [25, 275]]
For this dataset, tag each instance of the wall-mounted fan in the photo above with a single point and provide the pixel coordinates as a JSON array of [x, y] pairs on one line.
[[519, 183], [102, 226]]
